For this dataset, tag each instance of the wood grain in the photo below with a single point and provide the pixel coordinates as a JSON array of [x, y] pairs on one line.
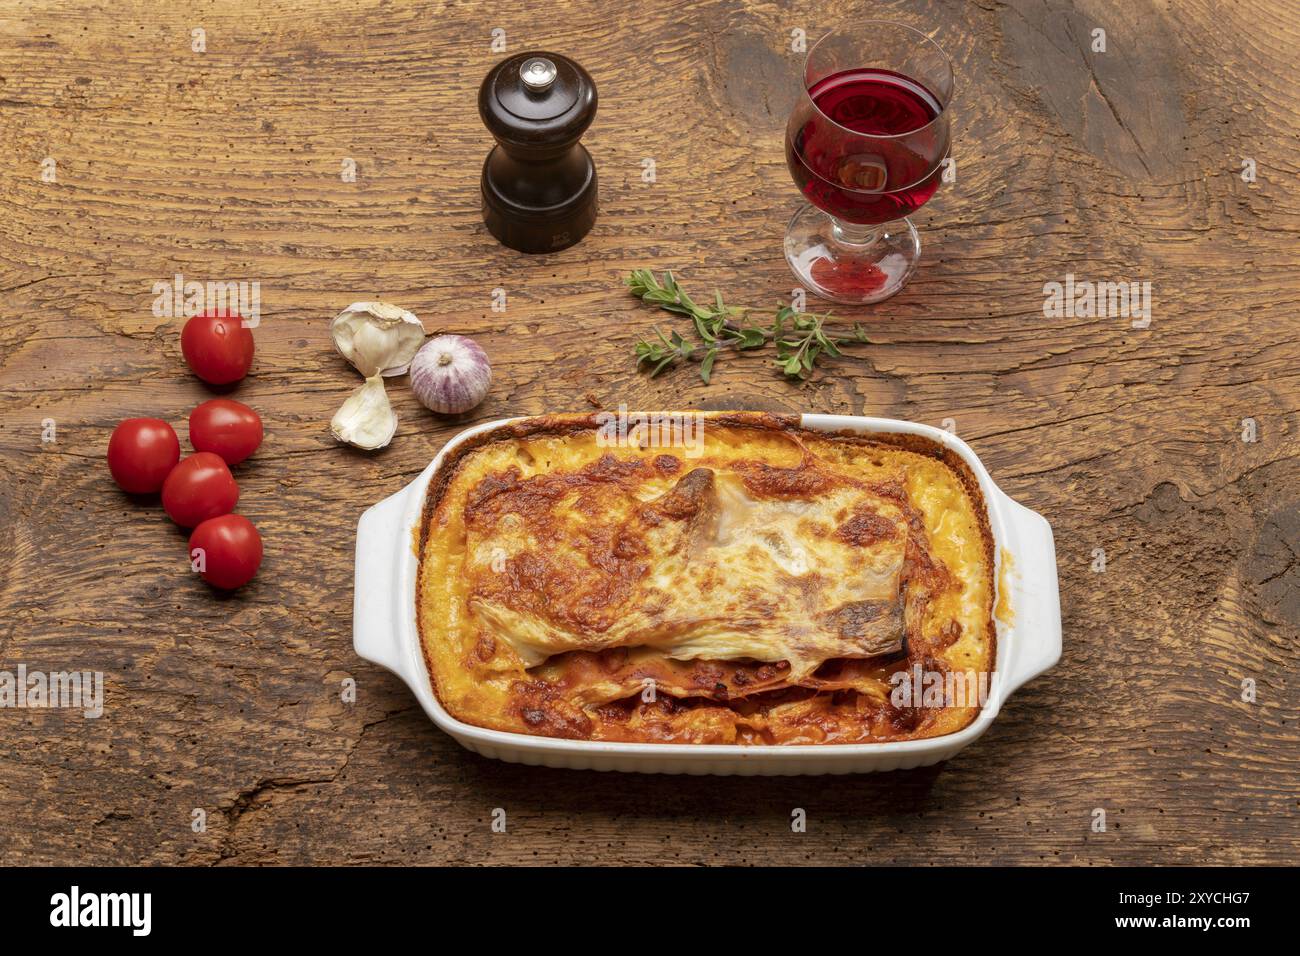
[[1123, 165]]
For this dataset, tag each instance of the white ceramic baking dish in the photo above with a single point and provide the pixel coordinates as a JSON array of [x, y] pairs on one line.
[[1028, 637]]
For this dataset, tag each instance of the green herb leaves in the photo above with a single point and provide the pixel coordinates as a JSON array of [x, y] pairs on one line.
[[800, 341], [799, 337]]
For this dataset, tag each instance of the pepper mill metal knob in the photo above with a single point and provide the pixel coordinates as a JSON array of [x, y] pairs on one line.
[[539, 183]]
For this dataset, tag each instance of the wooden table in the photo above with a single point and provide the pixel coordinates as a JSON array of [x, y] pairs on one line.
[[227, 164]]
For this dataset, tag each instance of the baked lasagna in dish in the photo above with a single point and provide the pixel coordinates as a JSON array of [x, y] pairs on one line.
[[748, 581]]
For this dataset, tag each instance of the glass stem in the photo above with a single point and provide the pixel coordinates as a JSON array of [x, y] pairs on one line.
[[852, 234]]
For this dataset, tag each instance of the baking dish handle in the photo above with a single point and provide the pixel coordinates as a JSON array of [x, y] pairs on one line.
[[381, 538], [1035, 598]]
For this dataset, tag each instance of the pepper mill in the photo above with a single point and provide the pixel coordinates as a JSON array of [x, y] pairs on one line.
[[539, 183]]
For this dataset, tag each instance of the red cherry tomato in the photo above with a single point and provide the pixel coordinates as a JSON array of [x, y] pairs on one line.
[[141, 452], [199, 488], [217, 348], [226, 428], [228, 549]]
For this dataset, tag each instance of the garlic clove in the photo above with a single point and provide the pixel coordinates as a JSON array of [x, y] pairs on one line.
[[377, 337], [366, 419]]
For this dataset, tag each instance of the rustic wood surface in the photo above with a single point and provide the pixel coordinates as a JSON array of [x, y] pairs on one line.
[[225, 165]]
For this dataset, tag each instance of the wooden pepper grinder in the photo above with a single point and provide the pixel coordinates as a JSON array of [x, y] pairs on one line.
[[539, 183]]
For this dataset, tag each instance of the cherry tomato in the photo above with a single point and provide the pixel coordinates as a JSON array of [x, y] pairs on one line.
[[217, 348], [228, 549], [199, 488], [226, 428], [141, 452]]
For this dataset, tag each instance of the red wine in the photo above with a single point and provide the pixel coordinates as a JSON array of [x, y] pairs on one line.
[[862, 167]]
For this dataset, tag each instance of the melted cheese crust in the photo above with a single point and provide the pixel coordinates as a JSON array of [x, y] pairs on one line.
[[768, 584]]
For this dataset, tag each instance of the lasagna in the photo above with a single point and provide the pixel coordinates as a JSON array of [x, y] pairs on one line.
[[738, 580]]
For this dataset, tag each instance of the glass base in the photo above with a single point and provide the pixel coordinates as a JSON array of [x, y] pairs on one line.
[[855, 265]]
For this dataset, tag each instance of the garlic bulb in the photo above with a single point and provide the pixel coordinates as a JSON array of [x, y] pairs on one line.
[[450, 374], [378, 339]]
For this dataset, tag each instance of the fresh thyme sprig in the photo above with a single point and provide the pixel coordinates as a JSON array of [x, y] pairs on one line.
[[799, 336]]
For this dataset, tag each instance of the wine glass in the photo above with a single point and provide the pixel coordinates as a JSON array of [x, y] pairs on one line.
[[865, 145]]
